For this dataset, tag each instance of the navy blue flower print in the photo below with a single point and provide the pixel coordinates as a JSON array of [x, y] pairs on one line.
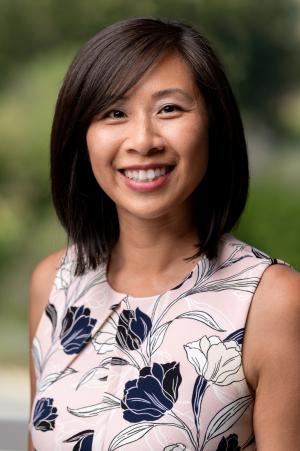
[[229, 443], [237, 335], [84, 440], [133, 328], [76, 329], [152, 394], [198, 391], [44, 415]]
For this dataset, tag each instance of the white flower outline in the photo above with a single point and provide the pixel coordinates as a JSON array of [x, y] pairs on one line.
[[105, 339], [219, 362], [64, 275]]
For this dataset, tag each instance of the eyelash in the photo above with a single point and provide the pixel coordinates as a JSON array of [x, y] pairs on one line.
[[176, 107]]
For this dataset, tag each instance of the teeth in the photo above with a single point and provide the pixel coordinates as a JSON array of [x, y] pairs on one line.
[[148, 175]]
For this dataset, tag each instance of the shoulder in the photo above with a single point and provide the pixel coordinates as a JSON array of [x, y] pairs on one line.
[[43, 274], [280, 277], [273, 321], [272, 341], [278, 293], [41, 282], [277, 298]]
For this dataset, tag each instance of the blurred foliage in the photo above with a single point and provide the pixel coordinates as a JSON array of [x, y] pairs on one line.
[[259, 44], [271, 221], [259, 41]]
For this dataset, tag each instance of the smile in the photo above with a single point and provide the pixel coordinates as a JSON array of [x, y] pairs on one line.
[[144, 181], [147, 176]]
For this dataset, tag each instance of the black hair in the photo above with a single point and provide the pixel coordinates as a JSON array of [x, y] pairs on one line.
[[107, 66]]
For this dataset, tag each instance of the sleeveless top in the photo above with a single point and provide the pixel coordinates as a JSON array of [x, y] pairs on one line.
[[156, 373]]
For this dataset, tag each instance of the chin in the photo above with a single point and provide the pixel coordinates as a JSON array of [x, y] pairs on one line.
[[143, 213]]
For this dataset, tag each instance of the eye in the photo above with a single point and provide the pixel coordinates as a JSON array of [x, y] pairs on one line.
[[172, 108], [114, 114]]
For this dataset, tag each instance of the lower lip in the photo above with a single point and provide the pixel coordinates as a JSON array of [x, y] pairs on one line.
[[146, 186]]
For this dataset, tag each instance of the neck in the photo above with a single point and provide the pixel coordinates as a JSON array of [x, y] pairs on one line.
[[153, 245]]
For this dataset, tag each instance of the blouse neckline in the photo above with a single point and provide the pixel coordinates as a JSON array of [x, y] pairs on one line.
[[154, 296]]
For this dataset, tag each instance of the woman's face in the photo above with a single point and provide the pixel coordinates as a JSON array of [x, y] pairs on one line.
[[162, 121]]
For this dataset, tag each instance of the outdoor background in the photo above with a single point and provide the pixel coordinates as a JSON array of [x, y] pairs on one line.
[[259, 43]]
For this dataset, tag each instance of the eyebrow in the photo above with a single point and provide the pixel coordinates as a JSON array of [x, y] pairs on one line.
[[166, 92]]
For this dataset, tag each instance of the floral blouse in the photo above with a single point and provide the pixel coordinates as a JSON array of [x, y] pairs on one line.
[[156, 373]]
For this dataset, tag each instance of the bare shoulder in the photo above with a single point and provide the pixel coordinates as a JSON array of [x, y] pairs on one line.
[[278, 293], [41, 282], [274, 313], [272, 358], [279, 288], [280, 276]]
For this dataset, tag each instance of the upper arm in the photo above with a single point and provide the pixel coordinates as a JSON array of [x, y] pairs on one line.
[[40, 286], [273, 346]]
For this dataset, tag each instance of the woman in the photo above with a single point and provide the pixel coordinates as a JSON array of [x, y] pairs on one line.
[[139, 326]]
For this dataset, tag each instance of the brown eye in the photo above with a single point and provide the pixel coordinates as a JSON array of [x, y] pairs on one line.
[[171, 108], [114, 114]]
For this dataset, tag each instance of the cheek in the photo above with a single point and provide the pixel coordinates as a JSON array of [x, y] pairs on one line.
[[98, 151]]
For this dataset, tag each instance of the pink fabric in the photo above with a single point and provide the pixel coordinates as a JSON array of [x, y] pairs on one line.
[[152, 373]]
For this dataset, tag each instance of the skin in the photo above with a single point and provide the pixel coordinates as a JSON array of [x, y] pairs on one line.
[[144, 128], [157, 231]]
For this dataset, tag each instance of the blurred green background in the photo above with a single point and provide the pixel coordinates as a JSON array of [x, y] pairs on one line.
[[259, 43]]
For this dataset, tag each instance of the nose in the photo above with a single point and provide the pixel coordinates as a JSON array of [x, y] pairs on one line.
[[144, 136]]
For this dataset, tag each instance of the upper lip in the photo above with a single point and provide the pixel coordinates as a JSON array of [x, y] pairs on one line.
[[145, 166]]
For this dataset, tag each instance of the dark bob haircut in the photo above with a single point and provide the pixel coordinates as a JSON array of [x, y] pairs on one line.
[[108, 65]]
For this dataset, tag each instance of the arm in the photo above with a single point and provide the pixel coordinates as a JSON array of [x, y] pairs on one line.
[[41, 283], [272, 356]]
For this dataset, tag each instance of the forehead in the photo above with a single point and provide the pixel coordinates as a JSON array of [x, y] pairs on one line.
[[170, 74]]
